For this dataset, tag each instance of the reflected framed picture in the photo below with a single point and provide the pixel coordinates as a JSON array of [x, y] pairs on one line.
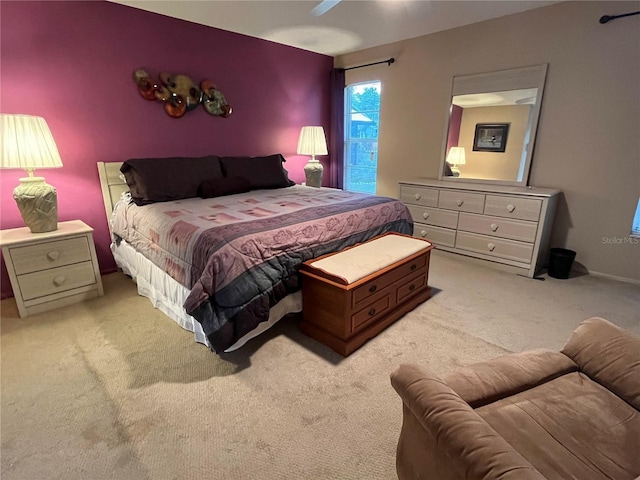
[[490, 137]]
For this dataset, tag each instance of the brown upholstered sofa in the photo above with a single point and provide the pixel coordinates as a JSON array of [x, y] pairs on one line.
[[572, 414]]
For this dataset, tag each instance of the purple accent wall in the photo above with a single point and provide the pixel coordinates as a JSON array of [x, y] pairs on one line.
[[72, 63], [455, 120]]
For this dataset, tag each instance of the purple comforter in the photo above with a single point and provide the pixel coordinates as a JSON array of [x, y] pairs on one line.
[[239, 255]]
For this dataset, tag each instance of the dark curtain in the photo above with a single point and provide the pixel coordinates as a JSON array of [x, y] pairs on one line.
[[336, 147]]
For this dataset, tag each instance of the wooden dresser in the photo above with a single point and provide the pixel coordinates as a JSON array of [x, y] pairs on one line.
[[51, 269], [502, 226], [387, 277]]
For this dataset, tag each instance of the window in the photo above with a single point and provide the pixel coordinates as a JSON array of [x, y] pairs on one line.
[[635, 228], [361, 123]]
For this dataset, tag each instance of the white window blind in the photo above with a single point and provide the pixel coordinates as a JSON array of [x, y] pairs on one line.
[[635, 228]]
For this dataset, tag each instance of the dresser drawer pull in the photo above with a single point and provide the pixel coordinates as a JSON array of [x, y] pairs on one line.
[[511, 208], [412, 287], [53, 255], [413, 267], [59, 280], [494, 227], [460, 202], [418, 196], [372, 312], [425, 215], [423, 233], [491, 247], [373, 288]]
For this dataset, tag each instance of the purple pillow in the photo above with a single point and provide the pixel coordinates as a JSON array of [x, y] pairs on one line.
[[262, 172], [163, 179], [221, 186]]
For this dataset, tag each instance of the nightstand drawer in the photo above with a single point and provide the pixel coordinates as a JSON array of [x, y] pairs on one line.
[[46, 255], [55, 280], [499, 227], [419, 196], [461, 201], [522, 208], [434, 216]]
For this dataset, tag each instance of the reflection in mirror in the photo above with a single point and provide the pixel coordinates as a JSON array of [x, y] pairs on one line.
[[491, 129]]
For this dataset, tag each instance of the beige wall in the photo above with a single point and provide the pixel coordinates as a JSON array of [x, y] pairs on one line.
[[498, 166], [588, 140]]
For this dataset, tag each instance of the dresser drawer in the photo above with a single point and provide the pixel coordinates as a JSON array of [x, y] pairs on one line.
[[56, 280], [419, 195], [370, 313], [496, 247], [436, 235], [511, 207], [41, 256], [434, 216], [362, 293], [462, 201], [498, 227]]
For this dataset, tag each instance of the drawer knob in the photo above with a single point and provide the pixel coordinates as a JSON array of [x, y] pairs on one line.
[[491, 247], [423, 233], [412, 287], [511, 208], [418, 196], [425, 215], [372, 311], [373, 288], [413, 267], [53, 255], [460, 202], [59, 280], [494, 227]]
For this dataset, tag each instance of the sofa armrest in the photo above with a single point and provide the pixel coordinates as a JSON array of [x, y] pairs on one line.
[[486, 382], [609, 355], [470, 445]]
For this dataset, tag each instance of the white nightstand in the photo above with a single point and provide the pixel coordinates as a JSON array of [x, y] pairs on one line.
[[52, 269]]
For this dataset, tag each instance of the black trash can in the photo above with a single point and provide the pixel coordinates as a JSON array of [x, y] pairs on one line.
[[560, 261]]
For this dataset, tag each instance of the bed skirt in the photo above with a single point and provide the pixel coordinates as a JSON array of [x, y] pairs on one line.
[[168, 296]]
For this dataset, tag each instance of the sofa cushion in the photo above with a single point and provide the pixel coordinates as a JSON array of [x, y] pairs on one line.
[[609, 355], [570, 427], [262, 172], [500, 377], [172, 178], [475, 449]]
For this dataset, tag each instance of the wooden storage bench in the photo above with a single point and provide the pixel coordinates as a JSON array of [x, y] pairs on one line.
[[350, 296]]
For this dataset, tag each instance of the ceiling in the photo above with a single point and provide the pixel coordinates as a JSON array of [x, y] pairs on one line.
[[348, 25]]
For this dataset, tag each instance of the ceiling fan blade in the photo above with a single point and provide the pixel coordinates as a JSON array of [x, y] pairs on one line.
[[323, 7]]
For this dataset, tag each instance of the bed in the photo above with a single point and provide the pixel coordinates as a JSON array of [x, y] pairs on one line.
[[225, 266]]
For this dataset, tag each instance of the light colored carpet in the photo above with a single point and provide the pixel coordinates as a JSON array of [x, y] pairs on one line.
[[113, 389]]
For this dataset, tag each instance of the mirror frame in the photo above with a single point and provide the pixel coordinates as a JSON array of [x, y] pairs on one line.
[[513, 79]]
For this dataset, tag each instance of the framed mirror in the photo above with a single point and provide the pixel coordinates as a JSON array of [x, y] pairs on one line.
[[491, 126]]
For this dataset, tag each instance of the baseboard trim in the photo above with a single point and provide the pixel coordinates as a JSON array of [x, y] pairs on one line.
[[586, 271]]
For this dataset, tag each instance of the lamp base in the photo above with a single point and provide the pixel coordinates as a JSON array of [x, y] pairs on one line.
[[313, 173], [38, 204]]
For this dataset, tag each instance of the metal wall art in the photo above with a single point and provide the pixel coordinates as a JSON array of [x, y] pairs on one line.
[[180, 94]]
